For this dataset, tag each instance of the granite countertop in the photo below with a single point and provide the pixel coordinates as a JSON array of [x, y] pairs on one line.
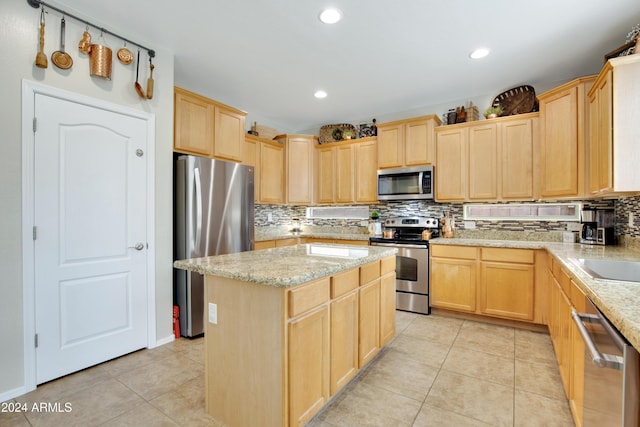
[[287, 266], [619, 301], [260, 237]]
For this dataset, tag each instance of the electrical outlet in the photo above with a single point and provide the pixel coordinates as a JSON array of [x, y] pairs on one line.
[[631, 219], [270, 217], [213, 313], [469, 225]]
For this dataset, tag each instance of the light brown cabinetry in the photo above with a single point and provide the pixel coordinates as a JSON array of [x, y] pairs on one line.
[[308, 365], [496, 282], [563, 127], [614, 129], [346, 172], [207, 128], [487, 160], [366, 160], [300, 161], [292, 347], [407, 142], [369, 321], [271, 159], [387, 300], [507, 283], [454, 277], [344, 328]]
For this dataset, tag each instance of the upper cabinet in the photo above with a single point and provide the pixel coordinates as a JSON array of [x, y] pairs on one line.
[[408, 142], [300, 161], [204, 127], [614, 106], [487, 160], [346, 172], [270, 181], [563, 128]]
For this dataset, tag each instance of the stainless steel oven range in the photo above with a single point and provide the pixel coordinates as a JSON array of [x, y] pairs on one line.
[[412, 260]]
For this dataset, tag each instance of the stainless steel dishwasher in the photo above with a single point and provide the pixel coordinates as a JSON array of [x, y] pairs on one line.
[[611, 372]]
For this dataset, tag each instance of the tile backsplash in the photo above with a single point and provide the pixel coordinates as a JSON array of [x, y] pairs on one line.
[[283, 215]]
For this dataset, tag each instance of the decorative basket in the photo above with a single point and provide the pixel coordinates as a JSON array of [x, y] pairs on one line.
[[333, 133], [100, 59]]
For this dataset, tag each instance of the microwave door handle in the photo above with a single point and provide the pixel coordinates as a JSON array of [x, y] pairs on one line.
[[601, 360], [421, 183]]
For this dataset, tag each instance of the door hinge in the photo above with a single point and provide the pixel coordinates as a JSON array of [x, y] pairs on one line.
[[35, 232], [36, 340], [35, 124]]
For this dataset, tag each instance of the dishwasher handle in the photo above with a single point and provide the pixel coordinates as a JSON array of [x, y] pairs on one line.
[[602, 360]]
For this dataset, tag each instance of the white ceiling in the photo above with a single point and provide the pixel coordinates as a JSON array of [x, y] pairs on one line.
[[268, 57]]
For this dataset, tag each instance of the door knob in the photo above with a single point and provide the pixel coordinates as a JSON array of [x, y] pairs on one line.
[[139, 246]]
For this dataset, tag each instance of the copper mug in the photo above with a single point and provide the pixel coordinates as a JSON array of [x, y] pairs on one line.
[[388, 234]]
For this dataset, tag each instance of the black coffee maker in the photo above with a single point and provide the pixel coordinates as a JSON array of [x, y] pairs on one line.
[[597, 226]]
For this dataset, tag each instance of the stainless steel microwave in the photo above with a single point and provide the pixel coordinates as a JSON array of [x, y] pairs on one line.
[[410, 183]]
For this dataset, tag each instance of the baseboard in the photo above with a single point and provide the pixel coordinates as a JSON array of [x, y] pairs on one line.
[[8, 395], [535, 327], [163, 341]]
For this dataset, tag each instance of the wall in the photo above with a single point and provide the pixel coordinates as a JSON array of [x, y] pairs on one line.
[[18, 44], [538, 230]]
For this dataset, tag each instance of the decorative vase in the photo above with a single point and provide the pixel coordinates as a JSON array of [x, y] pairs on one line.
[[491, 116]]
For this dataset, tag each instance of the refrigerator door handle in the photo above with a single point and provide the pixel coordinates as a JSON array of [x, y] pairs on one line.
[[198, 189]]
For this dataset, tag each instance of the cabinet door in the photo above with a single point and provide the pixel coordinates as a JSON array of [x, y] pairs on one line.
[[300, 170], [390, 146], [419, 146], [517, 142], [366, 172], [453, 284], [326, 182], [483, 165], [229, 134], [344, 171], [193, 122], [452, 165], [308, 365], [507, 290], [369, 322], [387, 308], [271, 173], [601, 147], [576, 399], [344, 340], [561, 152]]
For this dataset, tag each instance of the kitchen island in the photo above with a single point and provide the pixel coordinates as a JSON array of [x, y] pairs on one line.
[[289, 327]]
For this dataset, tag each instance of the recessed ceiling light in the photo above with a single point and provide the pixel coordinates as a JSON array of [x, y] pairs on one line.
[[330, 16], [479, 53], [320, 94]]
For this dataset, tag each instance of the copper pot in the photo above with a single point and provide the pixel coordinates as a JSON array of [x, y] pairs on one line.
[[388, 234], [100, 60]]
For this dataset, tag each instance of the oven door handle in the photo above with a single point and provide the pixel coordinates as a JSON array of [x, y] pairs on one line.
[[399, 245], [600, 359]]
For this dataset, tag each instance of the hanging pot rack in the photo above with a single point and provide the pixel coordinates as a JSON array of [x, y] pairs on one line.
[[38, 4]]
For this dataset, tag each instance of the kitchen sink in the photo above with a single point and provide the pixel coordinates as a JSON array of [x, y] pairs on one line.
[[339, 251], [627, 271]]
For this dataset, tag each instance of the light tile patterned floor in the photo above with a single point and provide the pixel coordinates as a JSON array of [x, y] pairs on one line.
[[437, 371]]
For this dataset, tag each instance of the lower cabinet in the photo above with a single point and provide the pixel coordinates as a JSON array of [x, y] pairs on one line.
[[308, 365], [565, 295], [344, 340], [387, 305], [495, 282], [369, 322]]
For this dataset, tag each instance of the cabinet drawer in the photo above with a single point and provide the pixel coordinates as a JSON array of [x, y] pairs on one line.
[[522, 256], [344, 282], [306, 297], [369, 272], [459, 252], [387, 265]]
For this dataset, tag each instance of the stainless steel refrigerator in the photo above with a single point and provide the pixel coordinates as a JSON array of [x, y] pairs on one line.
[[213, 216]]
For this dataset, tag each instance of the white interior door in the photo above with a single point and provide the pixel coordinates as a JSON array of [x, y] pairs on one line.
[[90, 246]]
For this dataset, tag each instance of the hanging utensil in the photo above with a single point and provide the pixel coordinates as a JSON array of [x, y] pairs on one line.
[[150, 80], [124, 55], [137, 85], [100, 59], [41, 58], [60, 58], [85, 42]]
